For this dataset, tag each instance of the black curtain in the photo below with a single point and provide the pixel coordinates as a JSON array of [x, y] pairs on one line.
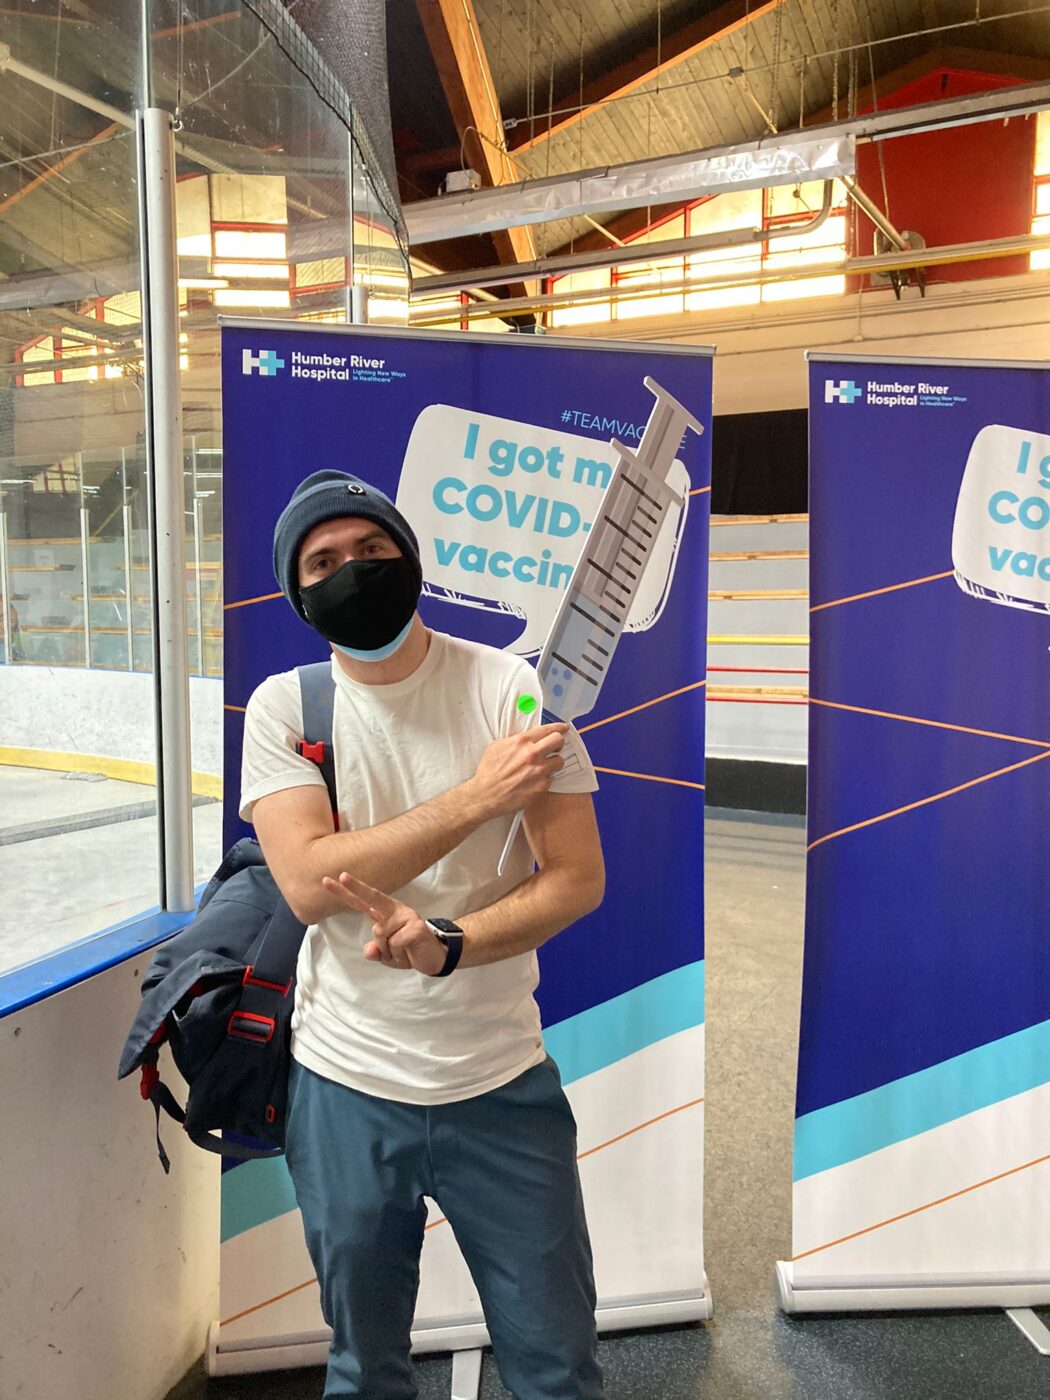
[[759, 463]]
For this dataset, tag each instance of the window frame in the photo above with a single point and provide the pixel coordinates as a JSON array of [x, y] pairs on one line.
[[619, 275]]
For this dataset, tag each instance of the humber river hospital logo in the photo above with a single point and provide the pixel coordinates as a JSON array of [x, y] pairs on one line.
[[845, 391], [266, 362]]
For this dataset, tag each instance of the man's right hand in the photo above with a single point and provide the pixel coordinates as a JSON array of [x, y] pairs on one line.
[[514, 770]]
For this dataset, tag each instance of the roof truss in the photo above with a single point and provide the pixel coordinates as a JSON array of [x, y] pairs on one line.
[[644, 67]]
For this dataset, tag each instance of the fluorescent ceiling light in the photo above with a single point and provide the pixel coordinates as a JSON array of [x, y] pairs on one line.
[[240, 296], [249, 243], [269, 271]]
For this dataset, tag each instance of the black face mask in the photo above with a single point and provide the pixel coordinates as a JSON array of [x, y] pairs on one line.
[[364, 604]]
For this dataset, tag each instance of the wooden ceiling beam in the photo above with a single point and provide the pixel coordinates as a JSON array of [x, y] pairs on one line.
[[444, 158], [1021, 67], [644, 67], [451, 28]]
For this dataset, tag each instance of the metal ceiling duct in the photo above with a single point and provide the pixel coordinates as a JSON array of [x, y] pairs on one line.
[[783, 159], [622, 256], [774, 160]]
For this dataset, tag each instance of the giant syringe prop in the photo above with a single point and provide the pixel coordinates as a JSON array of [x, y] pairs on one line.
[[616, 552]]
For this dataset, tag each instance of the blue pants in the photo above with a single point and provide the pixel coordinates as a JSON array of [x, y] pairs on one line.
[[502, 1169]]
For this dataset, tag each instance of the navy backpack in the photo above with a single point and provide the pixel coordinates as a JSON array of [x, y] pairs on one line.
[[221, 992]]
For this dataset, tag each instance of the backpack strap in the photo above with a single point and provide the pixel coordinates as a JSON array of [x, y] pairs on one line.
[[161, 1098], [273, 972], [317, 689]]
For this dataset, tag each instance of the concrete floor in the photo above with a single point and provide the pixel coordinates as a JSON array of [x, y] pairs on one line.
[[750, 1351], [80, 855]]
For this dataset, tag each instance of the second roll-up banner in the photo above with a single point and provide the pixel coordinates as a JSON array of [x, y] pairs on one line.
[[922, 1158], [498, 451]]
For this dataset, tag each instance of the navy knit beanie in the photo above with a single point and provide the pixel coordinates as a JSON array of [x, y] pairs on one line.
[[328, 495]]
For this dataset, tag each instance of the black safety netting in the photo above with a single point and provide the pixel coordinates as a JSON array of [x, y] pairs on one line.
[[340, 47]]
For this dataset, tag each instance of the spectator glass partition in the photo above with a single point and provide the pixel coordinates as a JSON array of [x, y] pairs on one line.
[[277, 215]]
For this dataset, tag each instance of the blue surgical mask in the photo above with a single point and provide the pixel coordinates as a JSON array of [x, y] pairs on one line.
[[380, 653]]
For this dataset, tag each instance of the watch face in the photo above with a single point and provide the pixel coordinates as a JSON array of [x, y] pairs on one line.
[[444, 925]]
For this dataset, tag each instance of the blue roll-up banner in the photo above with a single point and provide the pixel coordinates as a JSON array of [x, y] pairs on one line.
[[497, 449], [922, 1153]]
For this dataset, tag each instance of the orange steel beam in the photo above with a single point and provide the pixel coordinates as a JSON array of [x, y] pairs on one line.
[[196, 24], [59, 165]]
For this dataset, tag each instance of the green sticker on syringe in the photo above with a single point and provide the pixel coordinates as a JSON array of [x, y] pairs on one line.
[[526, 704]]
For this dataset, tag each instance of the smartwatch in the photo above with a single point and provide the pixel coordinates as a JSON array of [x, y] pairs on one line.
[[452, 936]]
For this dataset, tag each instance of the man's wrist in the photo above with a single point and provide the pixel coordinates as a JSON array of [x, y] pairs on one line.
[[473, 802], [451, 935]]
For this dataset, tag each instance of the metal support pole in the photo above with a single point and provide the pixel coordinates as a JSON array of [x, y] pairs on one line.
[[129, 587], [466, 1375], [874, 213], [5, 594], [197, 575], [160, 335], [129, 575], [359, 304], [85, 573], [1033, 1327], [356, 293], [350, 262]]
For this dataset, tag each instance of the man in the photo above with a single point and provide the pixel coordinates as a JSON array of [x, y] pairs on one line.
[[418, 1061]]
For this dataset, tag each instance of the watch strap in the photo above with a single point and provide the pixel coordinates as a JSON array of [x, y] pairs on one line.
[[452, 936]]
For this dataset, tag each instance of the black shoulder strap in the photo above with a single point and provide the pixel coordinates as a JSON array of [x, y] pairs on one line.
[[275, 959], [318, 694]]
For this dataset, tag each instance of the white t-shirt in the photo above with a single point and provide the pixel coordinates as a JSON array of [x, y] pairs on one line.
[[401, 1035]]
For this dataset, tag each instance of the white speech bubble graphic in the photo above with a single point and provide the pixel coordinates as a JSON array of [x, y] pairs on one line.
[[1001, 537], [501, 509]]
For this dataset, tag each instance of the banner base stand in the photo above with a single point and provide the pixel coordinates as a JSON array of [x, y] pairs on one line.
[[871, 1298], [466, 1375], [1034, 1328], [311, 1349]]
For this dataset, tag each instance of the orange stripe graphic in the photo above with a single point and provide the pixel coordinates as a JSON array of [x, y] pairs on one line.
[[699, 490], [917, 1210], [925, 801], [237, 709], [643, 706], [247, 602], [932, 723], [652, 777], [258, 1306], [631, 1131], [876, 592], [442, 1221]]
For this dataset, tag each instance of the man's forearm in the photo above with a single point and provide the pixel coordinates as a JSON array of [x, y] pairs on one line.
[[392, 853], [548, 901]]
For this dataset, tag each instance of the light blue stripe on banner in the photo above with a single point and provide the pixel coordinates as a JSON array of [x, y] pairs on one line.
[[256, 1192], [599, 1037], [253, 1193], [840, 1133]]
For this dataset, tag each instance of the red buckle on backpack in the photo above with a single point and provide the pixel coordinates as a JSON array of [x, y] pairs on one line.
[[150, 1078], [314, 752], [271, 1113], [250, 981], [247, 1026]]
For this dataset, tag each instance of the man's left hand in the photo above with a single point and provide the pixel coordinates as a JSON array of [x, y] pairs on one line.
[[401, 939]]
